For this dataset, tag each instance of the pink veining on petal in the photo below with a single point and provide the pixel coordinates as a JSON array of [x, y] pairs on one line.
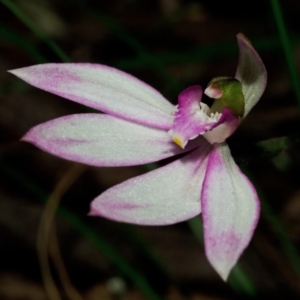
[[114, 207], [103, 140], [230, 241], [167, 195], [230, 210], [103, 88]]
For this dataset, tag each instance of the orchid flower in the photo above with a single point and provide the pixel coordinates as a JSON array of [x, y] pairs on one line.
[[139, 126]]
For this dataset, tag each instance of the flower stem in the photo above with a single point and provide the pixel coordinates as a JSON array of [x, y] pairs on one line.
[[287, 49], [286, 244], [288, 247]]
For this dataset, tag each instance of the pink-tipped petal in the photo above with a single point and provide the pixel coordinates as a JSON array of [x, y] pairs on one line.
[[251, 72], [104, 88], [102, 140], [167, 195], [230, 210], [224, 128], [191, 118]]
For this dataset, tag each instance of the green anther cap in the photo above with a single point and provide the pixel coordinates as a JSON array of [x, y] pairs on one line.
[[228, 94]]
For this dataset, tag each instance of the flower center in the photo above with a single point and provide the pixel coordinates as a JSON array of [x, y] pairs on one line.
[[212, 116], [227, 92], [194, 118]]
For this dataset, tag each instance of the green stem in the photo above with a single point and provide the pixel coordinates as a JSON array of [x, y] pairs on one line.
[[288, 247], [286, 48], [33, 27]]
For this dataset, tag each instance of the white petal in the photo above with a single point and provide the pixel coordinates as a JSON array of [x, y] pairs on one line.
[[166, 195], [102, 140], [251, 72], [230, 210], [104, 88]]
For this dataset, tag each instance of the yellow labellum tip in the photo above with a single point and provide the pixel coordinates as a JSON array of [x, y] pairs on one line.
[[178, 141]]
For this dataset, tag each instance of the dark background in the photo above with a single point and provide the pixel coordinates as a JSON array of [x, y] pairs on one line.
[[170, 44]]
